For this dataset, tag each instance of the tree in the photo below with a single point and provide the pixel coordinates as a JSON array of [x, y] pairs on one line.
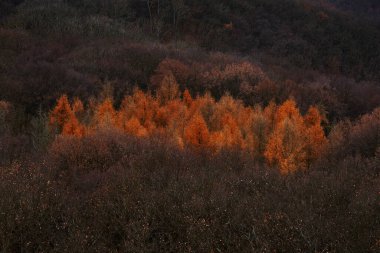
[[196, 133], [77, 106], [187, 99], [134, 127], [142, 106], [73, 127], [105, 115], [230, 135], [314, 132], [286, 145], [61, 114], [63, 119], [168, 89]]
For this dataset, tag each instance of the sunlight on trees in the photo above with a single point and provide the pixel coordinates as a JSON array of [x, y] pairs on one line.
[[277, 134]]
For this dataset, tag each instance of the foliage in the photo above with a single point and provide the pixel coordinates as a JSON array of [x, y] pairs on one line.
[[292, 143]]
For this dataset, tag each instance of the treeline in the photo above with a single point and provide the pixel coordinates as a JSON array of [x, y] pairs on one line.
[[278, 134]]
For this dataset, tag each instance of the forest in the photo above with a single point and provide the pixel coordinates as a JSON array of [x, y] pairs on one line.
[[189, 126]]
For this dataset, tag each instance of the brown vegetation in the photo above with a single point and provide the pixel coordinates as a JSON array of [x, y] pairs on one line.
[[189, 126]]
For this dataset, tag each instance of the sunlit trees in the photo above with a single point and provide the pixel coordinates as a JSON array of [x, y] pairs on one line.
[[78, 108], [73, 127], [134, 127], [63, 120], [140, 105], [277, 134], [105, 114], [314, 132], [295, 140], [61, 113], [196, 133], [286, 144], [229, 136], [286, 147], [187, 99]]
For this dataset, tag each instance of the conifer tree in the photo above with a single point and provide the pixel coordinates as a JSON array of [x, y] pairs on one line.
[[196, 133]]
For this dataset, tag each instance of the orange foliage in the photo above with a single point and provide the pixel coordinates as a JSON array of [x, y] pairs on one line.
[[78, 106], [196, 133], [142, 106], [278, 134], [286, 147], [61, 114], [315, 134], [295, 140], [105, 115], [187, 99], [63, 119], [73, 127], [288, 110], [229, 136], [134, 127]]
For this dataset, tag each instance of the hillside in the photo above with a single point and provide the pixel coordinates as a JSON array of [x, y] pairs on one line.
[[189, 126]]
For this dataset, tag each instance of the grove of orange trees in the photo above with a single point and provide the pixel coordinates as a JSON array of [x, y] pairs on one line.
[[279, 134]]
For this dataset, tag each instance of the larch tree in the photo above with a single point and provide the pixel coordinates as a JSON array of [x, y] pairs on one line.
[[142, 106], [105, 114], [134, 127], [63, 119], [187, 99], [73, 127], [77, 106], [278, 134], [196, 133], [61, 114], [230, 135], [286, 145], [315, 135]]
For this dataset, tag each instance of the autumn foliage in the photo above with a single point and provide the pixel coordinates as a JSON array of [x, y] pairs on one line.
[[64, 120], [277, 134]]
